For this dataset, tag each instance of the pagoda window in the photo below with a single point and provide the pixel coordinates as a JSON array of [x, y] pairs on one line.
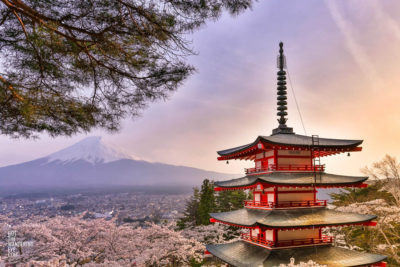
[[259, 187], [258, 164], [270, 198], [263, 160], [255, 232], [269, 235]]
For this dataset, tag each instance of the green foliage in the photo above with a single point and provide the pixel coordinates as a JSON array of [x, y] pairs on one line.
[[367, 238], [190, 213], [230, 200], [354, 195], [194, 263], [385, 185], [206, 201], [206, 204], [71, 65]]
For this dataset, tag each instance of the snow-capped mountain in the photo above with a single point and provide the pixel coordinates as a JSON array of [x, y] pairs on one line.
[[90, 163], [91, 149]]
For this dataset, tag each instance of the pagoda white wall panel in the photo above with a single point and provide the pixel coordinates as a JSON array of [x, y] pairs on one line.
[[294, 161], [255, 232], [304, 153], [259, 155], [269, 235], [269, 189], [295, 189], [258, 164], [295, 196], [298, 234], [265, 154], [271, 161]]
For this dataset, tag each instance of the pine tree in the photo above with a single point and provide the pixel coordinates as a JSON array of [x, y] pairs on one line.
[[206, 200], [230, 200], [190, 213], [73, 65], [206, 204]]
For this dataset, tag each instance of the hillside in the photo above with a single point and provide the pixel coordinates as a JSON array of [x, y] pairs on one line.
[[90, 162]]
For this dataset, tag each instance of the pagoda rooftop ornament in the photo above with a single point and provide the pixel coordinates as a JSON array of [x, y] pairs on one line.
[[282, 103], [285, 219]]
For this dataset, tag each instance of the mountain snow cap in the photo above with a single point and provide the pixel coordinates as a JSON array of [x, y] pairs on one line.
[[91, 149]]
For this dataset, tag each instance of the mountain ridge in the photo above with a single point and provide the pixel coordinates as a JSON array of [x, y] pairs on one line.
[[92, 163]]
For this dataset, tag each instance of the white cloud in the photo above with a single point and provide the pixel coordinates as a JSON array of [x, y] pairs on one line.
[[356, 50]]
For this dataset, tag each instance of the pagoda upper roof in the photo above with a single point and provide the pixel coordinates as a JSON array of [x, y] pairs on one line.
[[293, 140], [293, 179], [241, 254], [290, 218]]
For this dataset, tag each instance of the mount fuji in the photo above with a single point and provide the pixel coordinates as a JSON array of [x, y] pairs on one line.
[[91, 163]]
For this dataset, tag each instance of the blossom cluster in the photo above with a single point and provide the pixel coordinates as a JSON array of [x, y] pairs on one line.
[[386, 213], [72, 241], [310, 263]]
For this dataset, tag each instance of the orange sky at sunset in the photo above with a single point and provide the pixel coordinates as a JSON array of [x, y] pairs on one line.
[[344, 61]]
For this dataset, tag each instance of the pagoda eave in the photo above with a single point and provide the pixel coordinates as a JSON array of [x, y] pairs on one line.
[[310, 226], [263, 143], [241, 254], [250, 154], [292, 218], [316, 185], [291, 180]]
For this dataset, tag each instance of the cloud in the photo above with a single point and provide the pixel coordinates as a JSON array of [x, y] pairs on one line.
[[355, 49], [385, 18]]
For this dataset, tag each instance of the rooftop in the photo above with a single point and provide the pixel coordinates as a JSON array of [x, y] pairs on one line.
[[293, 179], [242, 253], [326, 146], [292, 218]]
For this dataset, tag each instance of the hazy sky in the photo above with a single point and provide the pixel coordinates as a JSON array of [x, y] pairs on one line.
[[344, 61]]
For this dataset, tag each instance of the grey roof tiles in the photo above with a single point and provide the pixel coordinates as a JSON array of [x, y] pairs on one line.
[[295, 140], [290, 218], [243, 254], [293, 178]]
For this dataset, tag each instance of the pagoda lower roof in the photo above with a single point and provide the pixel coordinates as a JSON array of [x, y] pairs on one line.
[[292, 140], [241, 253], [290, 218], [293, 179]]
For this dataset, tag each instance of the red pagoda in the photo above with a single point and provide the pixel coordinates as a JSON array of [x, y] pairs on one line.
[[285, 219]]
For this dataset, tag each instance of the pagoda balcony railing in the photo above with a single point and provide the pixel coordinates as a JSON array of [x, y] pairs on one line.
[[287, 243], [306, 241], [286, 167], [258, 241], [285, 204]]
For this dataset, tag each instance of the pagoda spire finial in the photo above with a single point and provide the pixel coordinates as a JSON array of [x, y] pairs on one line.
[[282, 103]]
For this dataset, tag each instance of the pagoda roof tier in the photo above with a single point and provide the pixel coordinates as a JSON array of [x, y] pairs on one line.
[[241, 253], [327, 146], [292, 179], [291, 218]]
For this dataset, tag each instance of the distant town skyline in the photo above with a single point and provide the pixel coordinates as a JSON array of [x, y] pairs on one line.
[[343, 59]]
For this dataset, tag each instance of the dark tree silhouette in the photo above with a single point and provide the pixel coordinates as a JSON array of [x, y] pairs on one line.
[[71, 65]]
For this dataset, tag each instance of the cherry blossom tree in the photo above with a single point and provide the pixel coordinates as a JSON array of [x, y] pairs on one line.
[[302, 264], [386, 172], [73, 241]]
